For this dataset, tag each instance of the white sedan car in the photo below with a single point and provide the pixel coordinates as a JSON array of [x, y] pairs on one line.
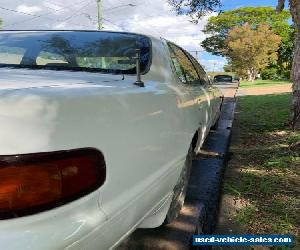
[[97, 134]]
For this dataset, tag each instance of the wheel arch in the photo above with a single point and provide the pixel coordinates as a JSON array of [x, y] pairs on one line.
[[195, 140]]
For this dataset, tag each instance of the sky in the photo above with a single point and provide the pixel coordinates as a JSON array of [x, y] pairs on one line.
[[152, 17]]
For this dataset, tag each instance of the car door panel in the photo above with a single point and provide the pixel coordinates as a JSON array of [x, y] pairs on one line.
[[189, 78]]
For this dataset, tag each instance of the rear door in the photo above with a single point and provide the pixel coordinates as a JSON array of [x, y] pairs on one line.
[[190, 79], [210, 91]]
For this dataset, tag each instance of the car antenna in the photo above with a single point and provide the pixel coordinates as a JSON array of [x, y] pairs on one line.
[[139, 81]]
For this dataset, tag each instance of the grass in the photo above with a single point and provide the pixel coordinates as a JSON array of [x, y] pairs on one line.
[[265, 167], [264, 113], [263, 83]]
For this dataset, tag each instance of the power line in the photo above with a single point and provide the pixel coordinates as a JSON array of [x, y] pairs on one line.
[[96, 22], [101, 10], [196, 51], [63, 7], [44, 15], [109, 21], [120, 6], [59, 5], [15, 11], [76, 14]]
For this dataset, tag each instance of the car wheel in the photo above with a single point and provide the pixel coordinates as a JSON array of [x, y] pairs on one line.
[[180, 189], [215, 125]]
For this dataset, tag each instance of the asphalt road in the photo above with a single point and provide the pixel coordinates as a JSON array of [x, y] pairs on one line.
[[200, 211]]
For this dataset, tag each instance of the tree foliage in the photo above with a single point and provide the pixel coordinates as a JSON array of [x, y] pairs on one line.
[[228, 67], [252, 49], [195, 8], [219, 26], [286, 49]]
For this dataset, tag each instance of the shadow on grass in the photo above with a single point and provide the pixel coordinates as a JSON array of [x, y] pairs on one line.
[[264, 112], [264, 169], [271, 203]]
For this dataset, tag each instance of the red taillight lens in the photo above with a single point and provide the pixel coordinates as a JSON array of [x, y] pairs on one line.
[[32, 183]]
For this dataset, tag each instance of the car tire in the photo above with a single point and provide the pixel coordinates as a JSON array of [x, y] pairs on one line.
[[180, 189], [215, 125]]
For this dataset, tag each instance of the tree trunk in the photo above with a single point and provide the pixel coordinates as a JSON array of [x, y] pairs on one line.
[[249, 78], [251, 75], [295, 11], [296, 86]]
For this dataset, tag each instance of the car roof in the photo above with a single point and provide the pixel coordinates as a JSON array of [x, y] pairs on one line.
[[222, 75], [151, 37], [106, 31]]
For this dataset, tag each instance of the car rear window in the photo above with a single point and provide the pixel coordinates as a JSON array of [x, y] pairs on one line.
[[223, 78], [107, 52]]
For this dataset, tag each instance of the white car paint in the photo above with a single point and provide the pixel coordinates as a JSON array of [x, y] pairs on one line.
[[143, 133]]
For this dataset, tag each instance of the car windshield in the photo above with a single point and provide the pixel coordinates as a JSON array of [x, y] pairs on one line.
[[223, 78], [106, 52]]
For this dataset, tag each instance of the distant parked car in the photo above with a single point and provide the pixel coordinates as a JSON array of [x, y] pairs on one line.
[[236, 79], [223, 78], [97, 134]]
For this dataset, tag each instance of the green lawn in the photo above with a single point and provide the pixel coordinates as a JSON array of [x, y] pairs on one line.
[[264, 172], [262, 83]]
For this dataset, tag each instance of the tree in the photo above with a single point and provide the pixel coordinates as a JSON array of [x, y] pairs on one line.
[[228, 67], [295, 12], [197, 8], [219, 26], [251, 49], [286, 50]]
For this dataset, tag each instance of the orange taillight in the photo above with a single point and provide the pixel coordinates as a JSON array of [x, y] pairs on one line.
[[32, 183]]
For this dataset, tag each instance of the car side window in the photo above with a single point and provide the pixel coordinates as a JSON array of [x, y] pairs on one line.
[[201, 72], [184, 68]]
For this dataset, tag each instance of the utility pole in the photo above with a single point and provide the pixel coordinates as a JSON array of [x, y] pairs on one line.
[[100, 17], [100, 12], [215, 64], [197, 52]]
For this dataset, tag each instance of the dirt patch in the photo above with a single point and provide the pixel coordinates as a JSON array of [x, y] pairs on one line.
[[287, 88]]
